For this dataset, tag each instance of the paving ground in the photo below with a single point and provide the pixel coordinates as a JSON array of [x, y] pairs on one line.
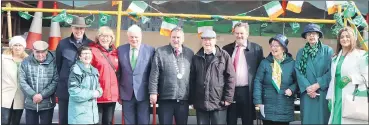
[[118, 117]]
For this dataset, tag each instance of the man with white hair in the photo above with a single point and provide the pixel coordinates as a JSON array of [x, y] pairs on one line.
[[134, 68]]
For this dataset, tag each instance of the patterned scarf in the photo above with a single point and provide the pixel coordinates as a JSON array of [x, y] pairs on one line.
[[308, 51], [277, 73]]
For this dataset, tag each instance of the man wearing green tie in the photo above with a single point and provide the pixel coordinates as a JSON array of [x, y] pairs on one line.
[[134, 69]]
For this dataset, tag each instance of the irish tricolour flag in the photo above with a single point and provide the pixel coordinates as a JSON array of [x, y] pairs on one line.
[[331, 6], [274, 9], [167, 25], [295, 6], [138, 7], [204, 25]]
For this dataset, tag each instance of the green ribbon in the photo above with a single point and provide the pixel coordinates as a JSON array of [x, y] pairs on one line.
[[360, 21], [89, 19], [103, 19], [25, 15], [295, 27], [350, 11], [336, 29], [49, 17], [363, 42], [338, 18]]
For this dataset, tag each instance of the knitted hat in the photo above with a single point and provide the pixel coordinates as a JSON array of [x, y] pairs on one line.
[[17, 39]]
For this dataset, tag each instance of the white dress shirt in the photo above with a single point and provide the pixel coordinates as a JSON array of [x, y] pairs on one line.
[[242, 70]]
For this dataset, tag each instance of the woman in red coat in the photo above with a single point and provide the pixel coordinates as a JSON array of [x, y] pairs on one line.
[[105, 60]]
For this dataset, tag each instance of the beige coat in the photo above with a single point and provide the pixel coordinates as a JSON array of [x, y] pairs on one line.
[[355, 66], [10, 89]]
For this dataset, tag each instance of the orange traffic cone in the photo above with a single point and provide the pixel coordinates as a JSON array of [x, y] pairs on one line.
[[55, 36], [35, 31]]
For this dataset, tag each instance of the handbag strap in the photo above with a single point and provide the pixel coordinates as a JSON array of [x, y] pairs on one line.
[[366, 86], [109, 61]]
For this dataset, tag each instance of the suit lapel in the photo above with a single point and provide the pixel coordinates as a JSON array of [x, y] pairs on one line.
[[126, 57]]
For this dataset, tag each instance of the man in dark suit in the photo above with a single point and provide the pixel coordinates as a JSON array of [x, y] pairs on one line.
[[170, 78], [135, 64], [246, 57]]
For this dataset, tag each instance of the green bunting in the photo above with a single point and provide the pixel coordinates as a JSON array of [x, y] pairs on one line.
[[360, 21], [295, 27], [336, 29], [103, 19], [25, 15], [338, 19], [89, 19], [60, 17], [63, 17], [350, 11]]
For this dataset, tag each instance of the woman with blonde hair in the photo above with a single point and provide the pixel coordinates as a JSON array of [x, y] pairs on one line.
[[12, 99], [349, 73], [105, 60]]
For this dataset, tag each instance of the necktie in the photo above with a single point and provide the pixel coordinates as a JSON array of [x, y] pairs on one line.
[[133, 58], [236, 57], [176, 52]]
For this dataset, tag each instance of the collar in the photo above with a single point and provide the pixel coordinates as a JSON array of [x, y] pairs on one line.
[[180, 49], [281, 60], [213, 51], [72, 39], [244, 44], [137, 48]]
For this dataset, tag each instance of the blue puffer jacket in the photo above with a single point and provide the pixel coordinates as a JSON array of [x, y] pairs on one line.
[[277, 106], [35, 77], [82, 83]]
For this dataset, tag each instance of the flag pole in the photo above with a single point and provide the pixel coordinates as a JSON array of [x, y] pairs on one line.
[[119, 22]]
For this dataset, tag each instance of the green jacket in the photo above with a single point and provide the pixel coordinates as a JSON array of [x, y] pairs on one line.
[[318, 70], [277, 106], [82, 83]]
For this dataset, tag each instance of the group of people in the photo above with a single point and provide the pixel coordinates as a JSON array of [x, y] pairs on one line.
[[221, 84]]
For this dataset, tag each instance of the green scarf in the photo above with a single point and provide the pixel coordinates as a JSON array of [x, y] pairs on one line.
[[308, 51]]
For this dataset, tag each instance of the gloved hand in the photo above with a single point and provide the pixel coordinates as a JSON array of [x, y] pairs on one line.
[[344, 81]]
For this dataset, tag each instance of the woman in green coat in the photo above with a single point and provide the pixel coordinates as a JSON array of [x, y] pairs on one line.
[[84, 89], [275, 84], [313, 71]]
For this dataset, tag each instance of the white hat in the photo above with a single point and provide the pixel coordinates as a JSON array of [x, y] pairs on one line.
[[17, 39]]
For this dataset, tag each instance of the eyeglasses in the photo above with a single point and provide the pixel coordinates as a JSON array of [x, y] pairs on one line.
[[105, 36], [311, 33]]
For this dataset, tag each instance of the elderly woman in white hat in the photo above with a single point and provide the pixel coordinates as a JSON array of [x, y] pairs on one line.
[[11, 94]]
